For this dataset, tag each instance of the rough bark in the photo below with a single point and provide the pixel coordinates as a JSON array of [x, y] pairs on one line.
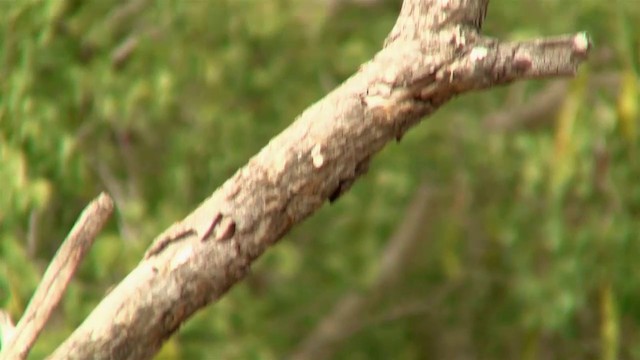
[[432, 54]]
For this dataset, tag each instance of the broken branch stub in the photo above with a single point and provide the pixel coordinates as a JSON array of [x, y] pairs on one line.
[[433, 53]]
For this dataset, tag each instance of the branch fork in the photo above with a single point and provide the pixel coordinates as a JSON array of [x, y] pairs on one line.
[[433, 53]]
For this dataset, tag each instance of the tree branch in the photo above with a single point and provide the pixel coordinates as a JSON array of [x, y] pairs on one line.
[[57, 277], [433, 54]]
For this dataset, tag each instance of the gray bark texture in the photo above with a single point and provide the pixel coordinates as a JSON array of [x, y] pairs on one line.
[[433, 53]]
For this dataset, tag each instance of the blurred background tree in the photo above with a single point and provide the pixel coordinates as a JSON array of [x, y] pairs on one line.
[[528, 248]]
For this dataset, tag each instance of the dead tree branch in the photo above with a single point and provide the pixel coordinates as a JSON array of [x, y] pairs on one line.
[[433, 54], [57, 277]]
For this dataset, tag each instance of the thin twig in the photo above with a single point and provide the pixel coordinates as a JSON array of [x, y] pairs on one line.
[[57, 277]]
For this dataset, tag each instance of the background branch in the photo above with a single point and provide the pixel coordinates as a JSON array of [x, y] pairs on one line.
[[542, 107], [351, 311]]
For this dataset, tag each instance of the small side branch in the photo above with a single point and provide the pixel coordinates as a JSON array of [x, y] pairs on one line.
[[57, 277], [490, 62]]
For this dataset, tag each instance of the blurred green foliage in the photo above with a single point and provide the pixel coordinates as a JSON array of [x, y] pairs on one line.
[[532, 243]]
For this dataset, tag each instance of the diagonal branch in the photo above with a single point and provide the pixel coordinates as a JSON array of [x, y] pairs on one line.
[[433, 54], [57, 277]]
